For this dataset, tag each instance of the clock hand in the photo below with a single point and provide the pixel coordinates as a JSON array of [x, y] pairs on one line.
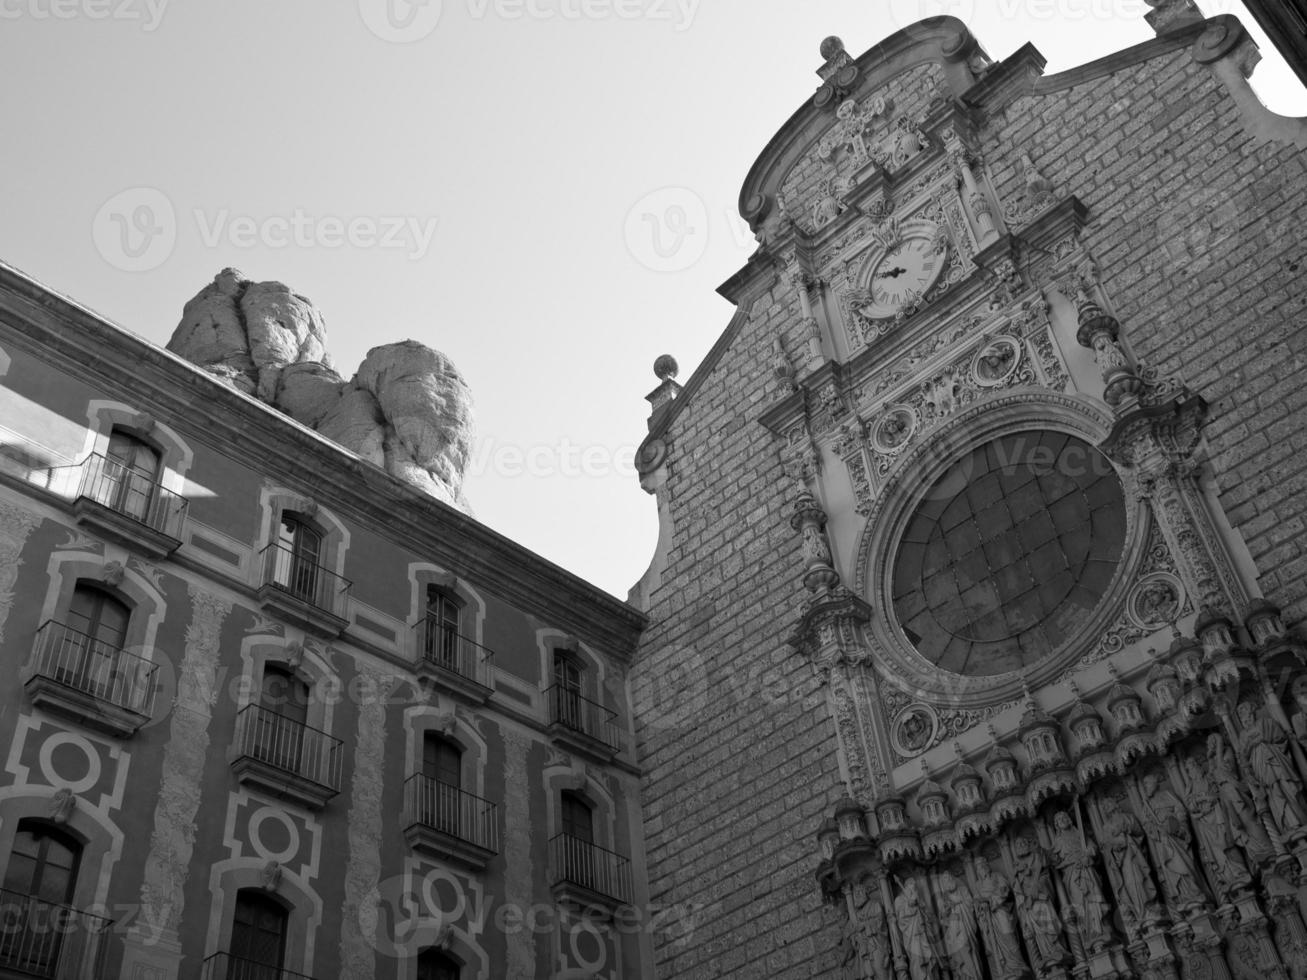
[[893, 273]]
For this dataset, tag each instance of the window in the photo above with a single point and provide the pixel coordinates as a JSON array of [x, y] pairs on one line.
[[580, 859], [577, 817], [258, 937], [42, 872], [131, 476], [435, 965], [283, 715], [442, 628], [442, 765], [567, 691], [97, 633], [297, 564]]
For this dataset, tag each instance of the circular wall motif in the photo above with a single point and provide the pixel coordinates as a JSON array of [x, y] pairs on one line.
[[995, 362], [281, 842], [1008, 553], [914, 729], [76, 765], [894, 429], [1156, 601]]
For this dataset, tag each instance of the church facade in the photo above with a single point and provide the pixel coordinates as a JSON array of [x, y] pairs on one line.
[[974, 647], [274, 713]]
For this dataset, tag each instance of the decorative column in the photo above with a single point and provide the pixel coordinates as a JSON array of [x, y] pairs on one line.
[[1101, 333], [977, 201], [819, 575]]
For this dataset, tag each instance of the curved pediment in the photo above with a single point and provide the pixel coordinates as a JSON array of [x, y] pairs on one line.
[[867, 116]]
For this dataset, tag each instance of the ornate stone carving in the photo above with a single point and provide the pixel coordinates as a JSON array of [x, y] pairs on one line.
[[1264, 759], [998, 924], [1166, 824], [1034, 892], [62, 805]]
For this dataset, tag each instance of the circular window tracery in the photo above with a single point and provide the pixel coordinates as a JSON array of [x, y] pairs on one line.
[[1008, 553]]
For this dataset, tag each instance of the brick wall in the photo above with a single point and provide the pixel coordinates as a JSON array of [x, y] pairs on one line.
[[1198, 234]]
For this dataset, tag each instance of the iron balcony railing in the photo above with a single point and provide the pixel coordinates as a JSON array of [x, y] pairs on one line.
[[127, 491], [82, 663], [289, 745], [579, 862], [568, 708], [450, 810], [224, 966], [44, 939], [302, 577], [450, 650]]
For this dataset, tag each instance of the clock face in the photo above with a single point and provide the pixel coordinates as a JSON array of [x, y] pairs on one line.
[[902, 276]]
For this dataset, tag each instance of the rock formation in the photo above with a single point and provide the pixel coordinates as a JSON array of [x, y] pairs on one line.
[[407, 409]]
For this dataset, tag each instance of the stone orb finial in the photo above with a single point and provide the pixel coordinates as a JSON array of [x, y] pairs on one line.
[[666, 367], [831, 47]]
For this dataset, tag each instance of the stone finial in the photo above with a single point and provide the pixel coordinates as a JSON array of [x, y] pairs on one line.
[[837, 72], [666, 368]]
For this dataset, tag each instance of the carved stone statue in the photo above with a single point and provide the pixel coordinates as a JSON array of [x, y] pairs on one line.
[[1236, 801], [870, 937], [1226, 870], [1074, 856], [915, 928], [1034, 893], [1263, 751], [996, 923], [1167, 826], [959, 911], [1122, 838]]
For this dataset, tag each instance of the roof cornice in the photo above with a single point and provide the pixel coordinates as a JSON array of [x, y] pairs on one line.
[[103, 354]]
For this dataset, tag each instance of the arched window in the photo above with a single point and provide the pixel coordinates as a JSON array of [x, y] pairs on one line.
[[88, 657], [442, 628], [568, 701], [258, 937], [42, 872], [130, 479], [442, 778], [297, 566], [435, 965], [282, 717]]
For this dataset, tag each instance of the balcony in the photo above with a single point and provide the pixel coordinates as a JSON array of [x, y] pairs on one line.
[[448, 823], [451, 660], [224, 966], [78, 676], [285, 757], [588, 876], [299, 590], [55, 942], [123, 504], [581, 724]]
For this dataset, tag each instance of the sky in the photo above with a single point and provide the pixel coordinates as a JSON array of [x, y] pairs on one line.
[[545, 190]]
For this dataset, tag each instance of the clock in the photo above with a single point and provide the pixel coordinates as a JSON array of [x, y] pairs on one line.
[[901, 277]]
